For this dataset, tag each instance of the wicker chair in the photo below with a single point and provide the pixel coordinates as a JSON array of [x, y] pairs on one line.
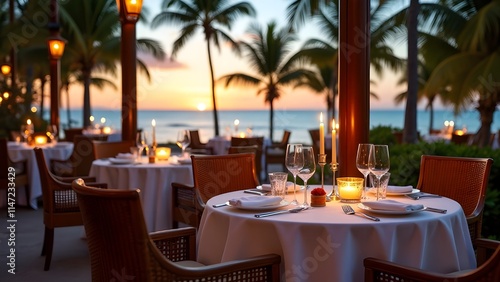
[[253, 149], [250, 141], [20, 171], [461, 179], [463, 139], [60, 207], [80, 161], [196, 146], [71, 133], [105, 149], [120, 245], [488, 261], [275, 153], [212, 175]]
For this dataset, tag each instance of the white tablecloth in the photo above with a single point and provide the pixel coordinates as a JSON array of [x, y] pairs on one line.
[[154, 181], [20, 152], [324, 244]]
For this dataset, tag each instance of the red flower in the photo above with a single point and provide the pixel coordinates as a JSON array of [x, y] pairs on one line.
[[318, 192]]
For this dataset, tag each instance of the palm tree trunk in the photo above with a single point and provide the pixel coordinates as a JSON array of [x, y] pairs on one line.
[[271, 118], [42, 95], [212, 77], [86, 97], [410, 125], [68, 111], [486, 110]]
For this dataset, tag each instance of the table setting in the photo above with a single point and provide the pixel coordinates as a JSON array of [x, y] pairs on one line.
[[382, 229]]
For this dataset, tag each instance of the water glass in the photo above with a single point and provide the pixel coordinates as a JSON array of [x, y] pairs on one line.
[[384, 181], [278, 183]]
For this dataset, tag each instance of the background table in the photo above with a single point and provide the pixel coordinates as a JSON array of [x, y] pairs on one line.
[[20, 152], [154, 181], [323, 243]]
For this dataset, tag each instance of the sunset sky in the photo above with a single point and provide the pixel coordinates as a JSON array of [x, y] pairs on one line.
[[184, 84]]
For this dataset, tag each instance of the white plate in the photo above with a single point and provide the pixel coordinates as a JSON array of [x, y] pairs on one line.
[[121, 161], [374, 190], [264, 208], [363, 207], [290, 190]]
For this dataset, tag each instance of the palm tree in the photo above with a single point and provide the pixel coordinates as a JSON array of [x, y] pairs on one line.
[[267, 54], [91, 28], [210, 16], [471, 76]]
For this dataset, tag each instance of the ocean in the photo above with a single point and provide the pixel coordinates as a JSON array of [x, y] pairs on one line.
[[168, 122]]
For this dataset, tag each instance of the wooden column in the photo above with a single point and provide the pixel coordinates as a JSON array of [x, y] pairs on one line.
[[129, 81], [354, 82]]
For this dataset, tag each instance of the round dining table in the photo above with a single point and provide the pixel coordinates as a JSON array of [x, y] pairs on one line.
[[325, 244], [154, 180], [20, 151]]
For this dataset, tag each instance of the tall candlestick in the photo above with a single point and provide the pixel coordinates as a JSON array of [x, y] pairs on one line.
[[321, 135], [334, 142], [153, 124]]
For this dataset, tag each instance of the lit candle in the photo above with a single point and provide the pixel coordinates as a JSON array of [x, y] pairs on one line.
[[350, 188], [236, 123], [334, 142], [321, 135], [153, 124]]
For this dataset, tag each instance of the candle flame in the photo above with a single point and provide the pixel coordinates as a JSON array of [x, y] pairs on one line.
[[334, 125], [28, 121], [321, 117], [153, 122]]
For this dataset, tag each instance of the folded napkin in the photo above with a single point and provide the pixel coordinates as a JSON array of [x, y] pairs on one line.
[[255, 201], [399, 189], [392, 205], [267, 186], [124, 156]]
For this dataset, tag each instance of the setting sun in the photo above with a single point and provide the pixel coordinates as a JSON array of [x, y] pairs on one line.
[[201, 107]]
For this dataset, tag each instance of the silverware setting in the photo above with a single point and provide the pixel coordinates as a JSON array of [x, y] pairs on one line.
[[350, 211], [419, 195], [294, 210], [256, 192], [221, 205], [435, 210]]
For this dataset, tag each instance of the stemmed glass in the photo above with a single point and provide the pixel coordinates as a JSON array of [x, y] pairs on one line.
[[141, 144], [379, 163], [52, 133], [26, 131], [307, 170], [183, 140], [294, 161], [362, 164]]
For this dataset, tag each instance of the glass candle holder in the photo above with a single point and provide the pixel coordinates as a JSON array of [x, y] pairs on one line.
[[163, 153], [350, 189]]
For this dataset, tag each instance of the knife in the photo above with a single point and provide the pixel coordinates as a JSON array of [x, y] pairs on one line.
[[255, 192], [221, 205], [294, 210], [435, 210]]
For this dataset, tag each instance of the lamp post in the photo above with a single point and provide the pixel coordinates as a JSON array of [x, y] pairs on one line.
[[56, 49], [129, 11]]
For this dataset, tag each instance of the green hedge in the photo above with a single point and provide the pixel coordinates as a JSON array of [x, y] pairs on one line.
[[405, 166]]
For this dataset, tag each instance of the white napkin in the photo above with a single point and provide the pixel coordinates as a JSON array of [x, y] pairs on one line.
[[392, 205], [399, 189], [267, 187], [124, 156], [255, 201]]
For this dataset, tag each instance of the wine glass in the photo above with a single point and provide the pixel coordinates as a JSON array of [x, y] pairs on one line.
[[140, 143], [25, 132], [362, 164], [52, 133], [307, 170], [379, 163], [183, 140], [294, 161]]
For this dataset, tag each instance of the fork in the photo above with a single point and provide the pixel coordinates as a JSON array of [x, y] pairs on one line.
[[348, 210]]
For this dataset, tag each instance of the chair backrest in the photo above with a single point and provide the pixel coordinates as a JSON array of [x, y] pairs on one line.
[[105, 149], [60, 206], [70, 133], [284, 140], [314, 133], [461, 139], [82, 155], [195, 142], [251, 141], [218, 174], [462, 179], [118, 240]]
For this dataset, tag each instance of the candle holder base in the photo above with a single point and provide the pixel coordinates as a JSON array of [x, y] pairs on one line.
[[322, 163], [334, 195]]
